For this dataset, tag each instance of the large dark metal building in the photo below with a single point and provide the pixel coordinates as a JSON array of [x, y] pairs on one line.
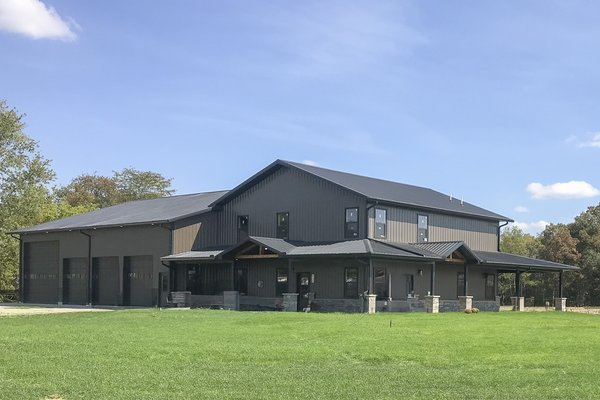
[[291, 237]]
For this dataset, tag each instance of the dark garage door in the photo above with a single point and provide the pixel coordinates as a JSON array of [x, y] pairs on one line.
[[105, 281], [40, 272], [75, 280], [137, 281]]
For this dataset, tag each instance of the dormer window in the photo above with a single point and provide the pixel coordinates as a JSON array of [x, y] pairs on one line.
[[351, 225], [422, 228]]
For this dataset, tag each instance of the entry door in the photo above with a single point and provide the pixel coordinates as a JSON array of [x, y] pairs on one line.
[[302, 288]]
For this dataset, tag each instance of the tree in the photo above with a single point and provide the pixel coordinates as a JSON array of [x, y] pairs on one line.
[[96, 191], [142, 185], [586, 230], [24, 195]]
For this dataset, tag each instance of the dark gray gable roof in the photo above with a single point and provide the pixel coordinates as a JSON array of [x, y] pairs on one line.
[[140, 212], [376, 190], [445, 249], [499, 259]]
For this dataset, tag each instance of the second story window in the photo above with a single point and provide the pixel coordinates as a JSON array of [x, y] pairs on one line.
[[422, 228], [380, 223], [283, 225], [242, 227], [351, 226]]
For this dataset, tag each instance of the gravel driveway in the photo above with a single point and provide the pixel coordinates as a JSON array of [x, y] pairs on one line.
[[34, 310]]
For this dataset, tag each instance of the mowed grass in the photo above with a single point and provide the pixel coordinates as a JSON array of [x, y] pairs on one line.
[[154, 354]]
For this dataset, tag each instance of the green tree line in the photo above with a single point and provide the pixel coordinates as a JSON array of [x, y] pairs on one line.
[[28, 196]]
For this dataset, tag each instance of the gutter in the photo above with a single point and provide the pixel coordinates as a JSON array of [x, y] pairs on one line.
[[500, 227]]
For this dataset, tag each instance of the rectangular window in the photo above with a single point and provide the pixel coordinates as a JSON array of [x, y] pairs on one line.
[[410, 285], [380, 223], [281, 285], [283, 225], [351, 227], [242, 227], [241, 280], [422, 228], [460, 284], [351, 283], [490, 287], [380, 286]]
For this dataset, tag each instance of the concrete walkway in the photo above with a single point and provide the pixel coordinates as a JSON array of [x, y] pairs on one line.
[[17, 309]]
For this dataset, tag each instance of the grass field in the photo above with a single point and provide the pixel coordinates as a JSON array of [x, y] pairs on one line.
[[154, 354]]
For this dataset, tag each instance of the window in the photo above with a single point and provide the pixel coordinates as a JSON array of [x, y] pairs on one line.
[[490, 287], [351, 228], [241, 280], [422, 228], [242, 227], [380, 222], [351, 283], [460, 283], [281, 284], [410, 285], [283, 225], [380, 286]]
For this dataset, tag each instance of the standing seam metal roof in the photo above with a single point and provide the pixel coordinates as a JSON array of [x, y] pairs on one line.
[[140, 212]]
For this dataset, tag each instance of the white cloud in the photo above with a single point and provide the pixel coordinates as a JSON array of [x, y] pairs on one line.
[[590, 140], [34, 19], [531, 227], [310, 162], [521, 209], [562, 190]]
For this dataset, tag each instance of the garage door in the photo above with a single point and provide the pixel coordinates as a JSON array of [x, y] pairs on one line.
[[137, 281], [105, 281], [40, 272], [75, 280]]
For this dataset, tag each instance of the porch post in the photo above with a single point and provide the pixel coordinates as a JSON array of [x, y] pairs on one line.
[[518, 302], [560, 303], [232, 271], [432, 280], [371, 275], [290, 289], [466, 288]]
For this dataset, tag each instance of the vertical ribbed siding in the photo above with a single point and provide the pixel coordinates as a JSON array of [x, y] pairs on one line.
[[316, 207], [185, 237], [402, 228]]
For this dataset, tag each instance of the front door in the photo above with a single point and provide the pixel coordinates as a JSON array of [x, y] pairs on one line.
[[302, 288]]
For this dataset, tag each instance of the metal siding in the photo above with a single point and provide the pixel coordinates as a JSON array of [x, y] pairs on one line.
[[402, 228], [185, 237], [75, 280], [41, 272], [137, 280], [316, 208], [106, 281]]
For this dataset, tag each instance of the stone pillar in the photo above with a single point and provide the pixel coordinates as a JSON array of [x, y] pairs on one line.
[[231, 300], [465, 302], [432, 304], [290, 302], [560, 303], [371, 303], [518, 303]]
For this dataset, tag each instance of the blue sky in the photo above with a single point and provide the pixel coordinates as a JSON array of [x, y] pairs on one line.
[[493, 102]]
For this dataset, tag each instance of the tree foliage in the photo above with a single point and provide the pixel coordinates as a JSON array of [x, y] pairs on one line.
[[24, 195]]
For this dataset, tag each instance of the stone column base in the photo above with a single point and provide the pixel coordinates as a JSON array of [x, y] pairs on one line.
[[560, 303], [465, 302], [518, 303], [370, 303], [432, 304], [231, 300], [290, 302]]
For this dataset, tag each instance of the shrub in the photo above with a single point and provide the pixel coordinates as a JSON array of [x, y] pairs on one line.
[[475, 310], [468, 310]]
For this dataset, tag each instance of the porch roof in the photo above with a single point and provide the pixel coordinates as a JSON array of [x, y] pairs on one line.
[[193, 255], [513, 261], [446, 249]]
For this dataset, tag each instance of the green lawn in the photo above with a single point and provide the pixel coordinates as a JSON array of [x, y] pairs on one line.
[[154, 354]]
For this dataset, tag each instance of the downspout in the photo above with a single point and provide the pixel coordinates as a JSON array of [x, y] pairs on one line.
[[21, 266], [500, 227], [90, 277]]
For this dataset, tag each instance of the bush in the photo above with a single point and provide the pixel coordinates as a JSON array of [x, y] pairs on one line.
[[468, 310], [471, 310]]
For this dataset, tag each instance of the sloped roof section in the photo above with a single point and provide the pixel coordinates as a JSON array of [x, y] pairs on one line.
[[376, 190], [140, 212], [193, 255], [499, 259], [445, 249]]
